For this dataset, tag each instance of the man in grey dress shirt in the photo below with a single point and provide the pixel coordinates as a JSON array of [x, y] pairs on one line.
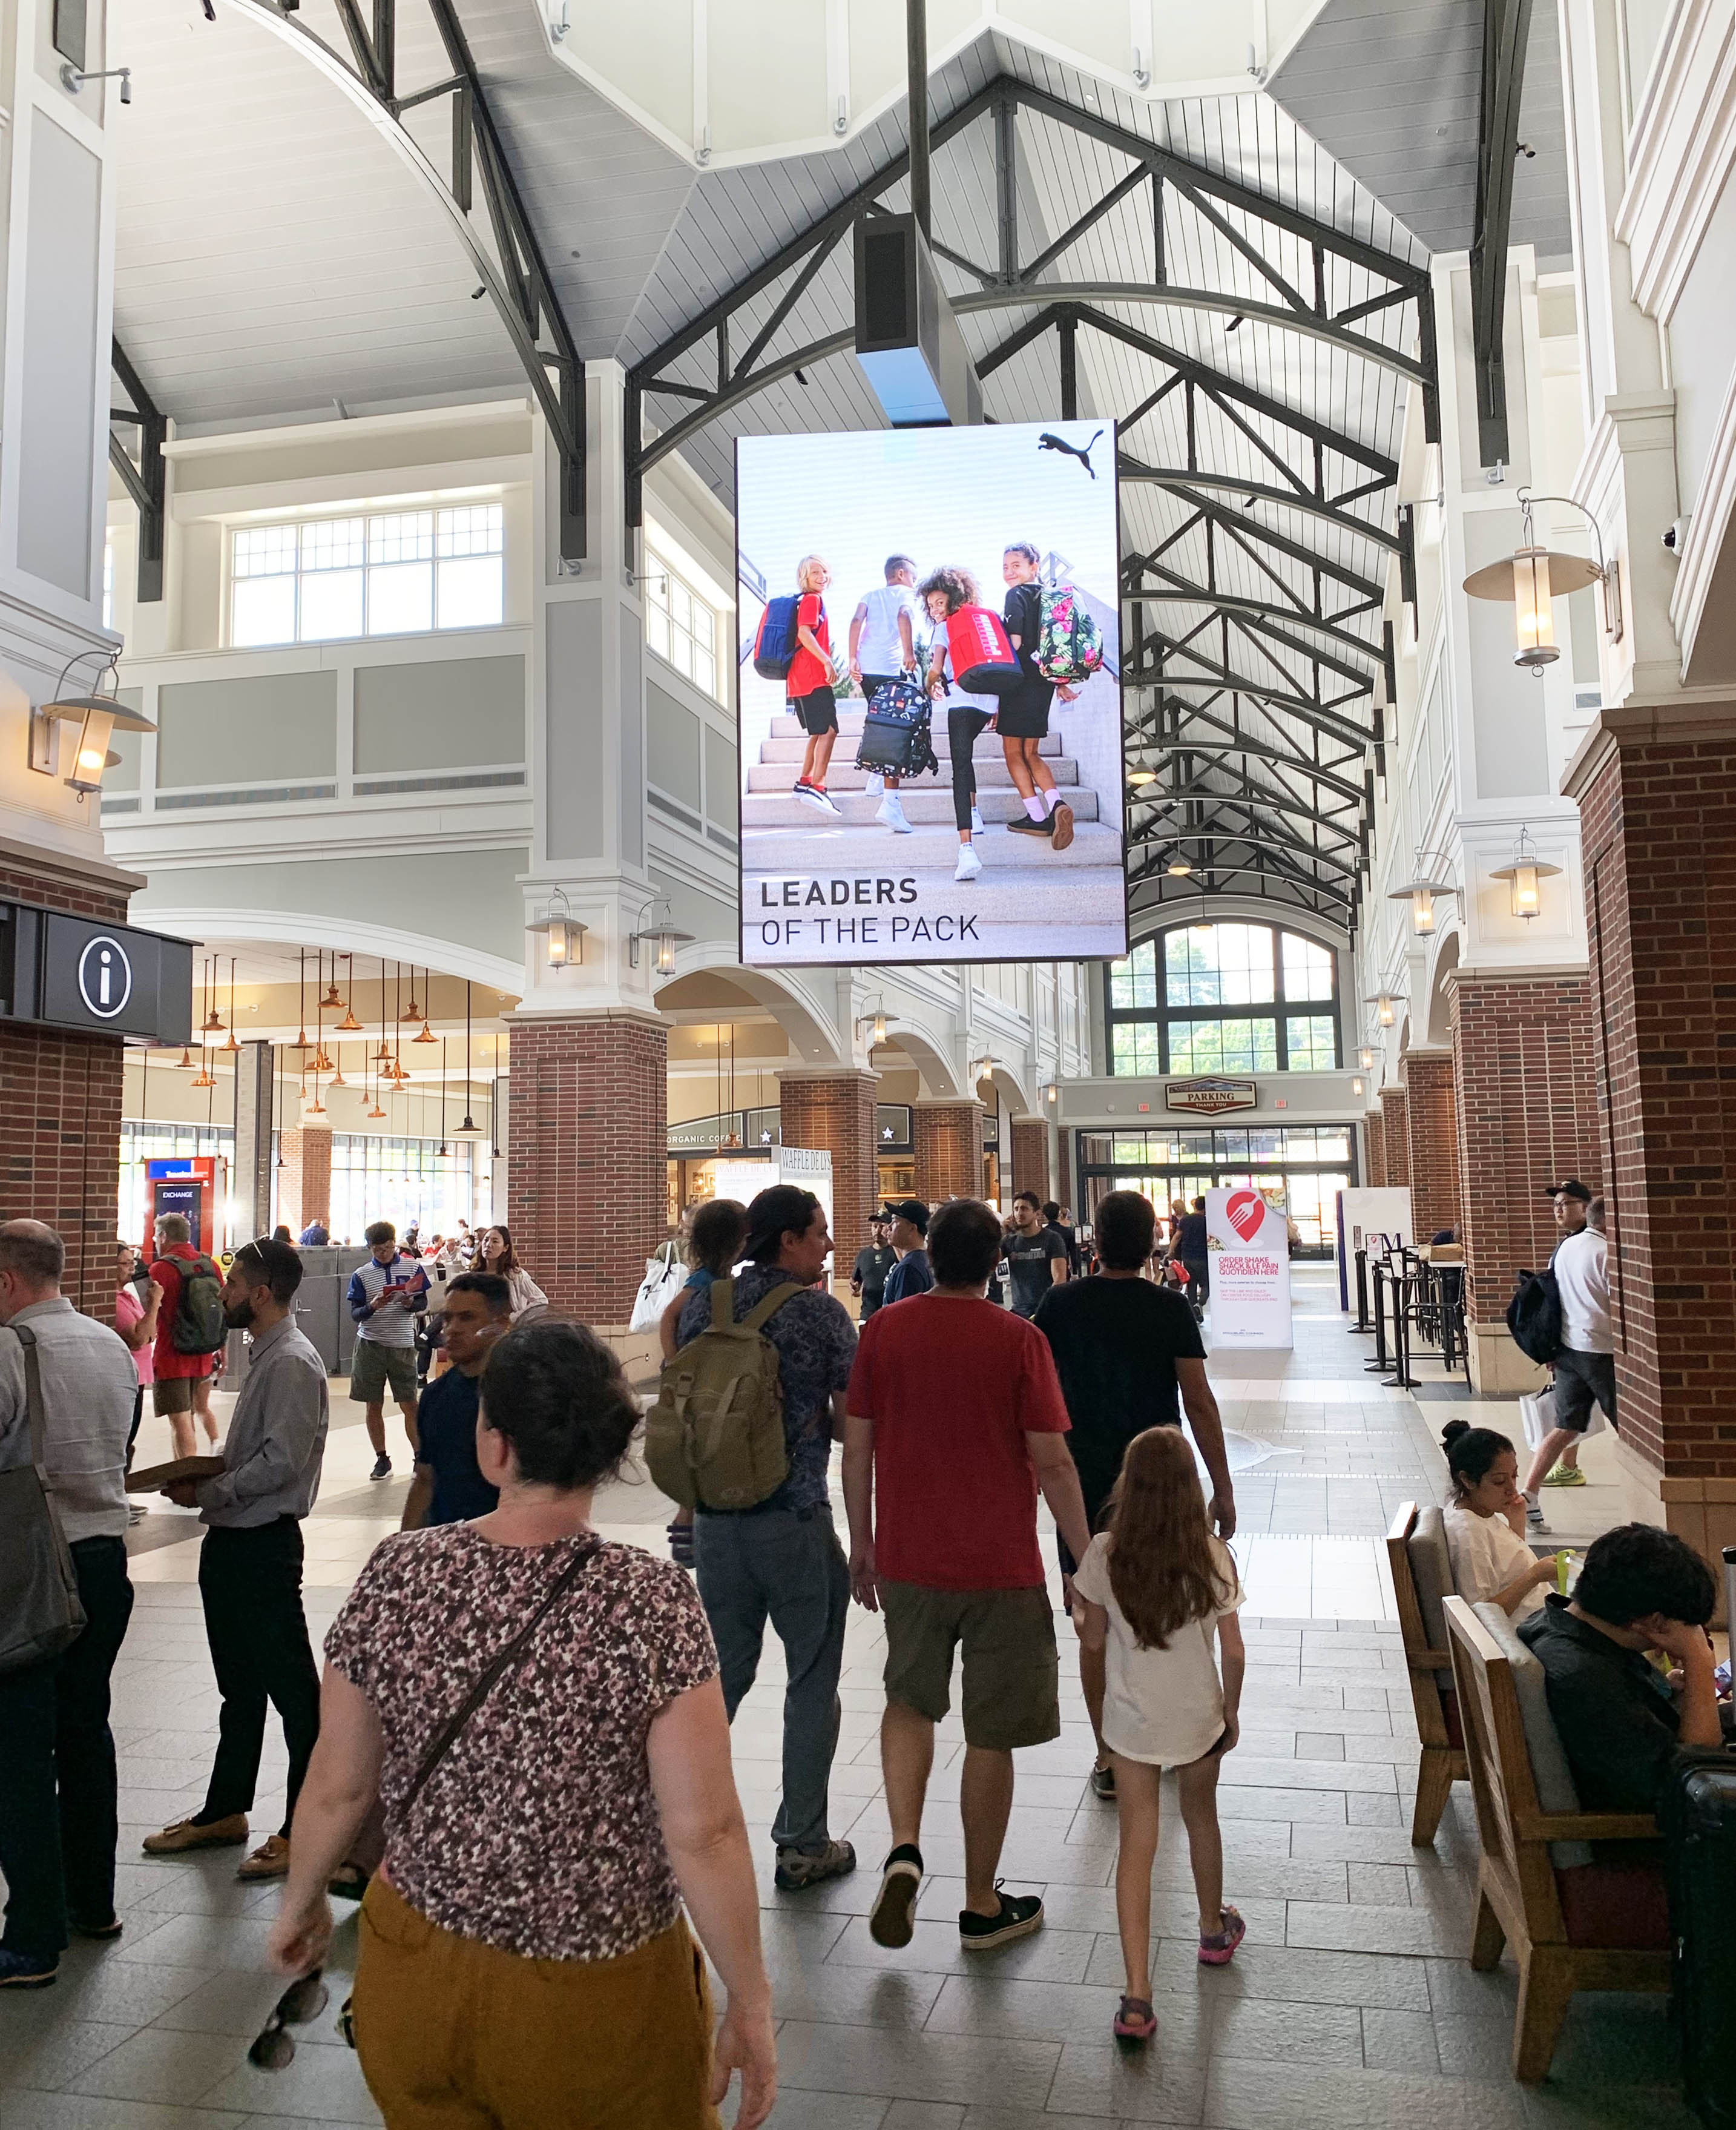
[[251, 1561], [57, 1754]]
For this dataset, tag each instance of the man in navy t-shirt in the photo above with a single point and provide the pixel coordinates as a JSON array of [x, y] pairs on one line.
[[449, 1487]]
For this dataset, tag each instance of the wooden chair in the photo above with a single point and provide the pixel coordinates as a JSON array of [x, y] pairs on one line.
[[1442, 1762], [1547, 1912]]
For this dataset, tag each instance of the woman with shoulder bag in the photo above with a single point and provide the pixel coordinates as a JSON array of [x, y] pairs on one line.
[[540, 1711]]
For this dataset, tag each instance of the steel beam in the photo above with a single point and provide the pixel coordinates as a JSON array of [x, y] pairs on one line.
[[1183, 480], [145, 479], [1506, 29]]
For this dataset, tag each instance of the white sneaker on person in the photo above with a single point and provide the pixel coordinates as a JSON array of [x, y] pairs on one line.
[[875, 785], [891, 811], [976, 823], [969, 866], [1534, 1513]]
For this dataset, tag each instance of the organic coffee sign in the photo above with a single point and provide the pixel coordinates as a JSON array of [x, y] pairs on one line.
[[1210, 1098]]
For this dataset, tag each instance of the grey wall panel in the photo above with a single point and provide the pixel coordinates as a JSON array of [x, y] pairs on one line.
[[632, 746], [671, 744], [57, 403], [444, 714], [574, 792], [246, 732], [723, 787]]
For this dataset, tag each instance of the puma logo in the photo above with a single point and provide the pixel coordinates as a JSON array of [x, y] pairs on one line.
[[1046, 442]]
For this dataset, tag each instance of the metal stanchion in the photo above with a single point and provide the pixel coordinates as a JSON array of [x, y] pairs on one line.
[[1362, 1323], [1403, 1287], [1380, 1362]]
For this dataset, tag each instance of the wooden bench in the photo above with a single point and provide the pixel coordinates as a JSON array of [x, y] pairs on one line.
[[1442, 1762], [1571, 1927]]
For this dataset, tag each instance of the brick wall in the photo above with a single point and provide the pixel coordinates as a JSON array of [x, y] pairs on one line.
[[1527, 1116], [588, 1123], [949, 1150], [833, 1113], [304, 1179], [1431, 1120], [1396, 1136], [60, 1112], [1031, 1156], [1658, 828], [1374, 1150]]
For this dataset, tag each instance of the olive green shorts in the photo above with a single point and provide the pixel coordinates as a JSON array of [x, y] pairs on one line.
[[374, 1365], [1011, 1694]]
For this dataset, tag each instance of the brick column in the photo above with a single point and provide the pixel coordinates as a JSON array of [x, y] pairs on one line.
[[833, 1113], [1374, 1145], [304, 1181], [1031, 1155], [1397, 1137], [1522, 1054], [588, 1125], [1659, 858], [949, 1150], [1431, 1122], [60, 1112]]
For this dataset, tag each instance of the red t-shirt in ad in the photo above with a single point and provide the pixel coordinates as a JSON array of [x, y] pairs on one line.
[[806, 671], [168, 1365], [953, 1387]]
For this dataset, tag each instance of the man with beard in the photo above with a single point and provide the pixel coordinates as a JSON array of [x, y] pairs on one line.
[[250, 1561]]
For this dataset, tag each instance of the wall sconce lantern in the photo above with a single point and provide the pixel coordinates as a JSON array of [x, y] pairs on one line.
[[1532, 579], [1356, 1086], [1051, 1092], [97, 716], [663, 938], [1382, 1004], [1366, 1058], [562, 931], [1420, 894], [1522, 875]]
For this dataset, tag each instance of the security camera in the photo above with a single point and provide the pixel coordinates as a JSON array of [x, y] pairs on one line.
[[1676, 538]]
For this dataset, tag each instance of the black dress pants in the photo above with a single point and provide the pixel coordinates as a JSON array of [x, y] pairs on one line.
[[250, 1585], [58, 1822]]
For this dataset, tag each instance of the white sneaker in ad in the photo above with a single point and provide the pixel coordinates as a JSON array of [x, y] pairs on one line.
[[875, 785], [969, 866], [891, 811], [976, 823], [811, 794]]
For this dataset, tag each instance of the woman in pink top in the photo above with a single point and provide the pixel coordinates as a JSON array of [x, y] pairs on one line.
[[136, 1322]]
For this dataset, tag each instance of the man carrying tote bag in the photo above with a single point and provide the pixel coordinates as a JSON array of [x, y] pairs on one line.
[[67, 1386]]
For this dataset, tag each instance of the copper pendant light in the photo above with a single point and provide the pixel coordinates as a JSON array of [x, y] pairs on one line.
[[425, 1034], [231, 1045], [301, 1041]]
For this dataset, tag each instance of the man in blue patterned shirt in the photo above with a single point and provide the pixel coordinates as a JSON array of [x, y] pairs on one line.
[[781, 1559]]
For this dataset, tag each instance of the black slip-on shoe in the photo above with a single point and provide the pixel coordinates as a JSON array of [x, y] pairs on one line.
[[1020, 1914], [891, 1921]]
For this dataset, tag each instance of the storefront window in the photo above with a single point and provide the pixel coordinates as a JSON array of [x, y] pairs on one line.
[[1203, 999], [407, 1180], [1302, 1166], [143, 1141]]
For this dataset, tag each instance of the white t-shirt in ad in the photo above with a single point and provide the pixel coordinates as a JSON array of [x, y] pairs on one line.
[[1581, 1271], [1163, 1706], [1487, 1553], [880, 646]]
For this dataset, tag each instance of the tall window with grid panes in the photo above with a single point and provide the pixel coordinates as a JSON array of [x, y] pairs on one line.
[[1224, 998], [385, 573], [680, 625]]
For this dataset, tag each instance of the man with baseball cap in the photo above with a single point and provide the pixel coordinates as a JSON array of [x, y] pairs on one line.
[[913, 1273], [1585, 1363]]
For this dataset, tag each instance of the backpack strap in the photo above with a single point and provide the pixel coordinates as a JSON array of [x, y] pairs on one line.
[[768, 1305], [723, 1319]]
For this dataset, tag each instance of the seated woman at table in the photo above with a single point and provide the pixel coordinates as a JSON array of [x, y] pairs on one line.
[[1486, 1524]]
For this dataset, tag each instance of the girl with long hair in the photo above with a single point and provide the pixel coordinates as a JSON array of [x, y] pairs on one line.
[[1486, 1524], [1158, 1590], [1024, 713], [495, 1254], [944, 593]]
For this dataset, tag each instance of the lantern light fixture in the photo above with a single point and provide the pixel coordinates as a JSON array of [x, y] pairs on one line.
[[562, 931], [1382, 1004], [1420, 894], [97, 715], [875, 1024], [1366, 1058], [1523, 875], [661, 934], [1532, 579], [1051, 1092], [1356, 1086]]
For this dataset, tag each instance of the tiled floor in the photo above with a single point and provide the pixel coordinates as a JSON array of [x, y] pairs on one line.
[[1350, 2006]]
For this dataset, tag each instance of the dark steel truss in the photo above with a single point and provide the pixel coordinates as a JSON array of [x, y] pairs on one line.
[[1293, 661], [1506, 30], [512, 268], [143, 477]]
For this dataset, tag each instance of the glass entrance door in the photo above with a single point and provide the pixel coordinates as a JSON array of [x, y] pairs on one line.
[[1308, 1164]]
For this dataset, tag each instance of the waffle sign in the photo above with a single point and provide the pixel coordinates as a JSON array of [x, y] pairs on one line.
[[1247, 1247], [1210, 1098]]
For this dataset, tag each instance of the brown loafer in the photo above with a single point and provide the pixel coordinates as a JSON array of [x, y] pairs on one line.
[[228, 1833], [270, 1860]]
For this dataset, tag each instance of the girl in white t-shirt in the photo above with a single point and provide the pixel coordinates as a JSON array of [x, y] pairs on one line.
[[1486, 1524], [1161, 1591]]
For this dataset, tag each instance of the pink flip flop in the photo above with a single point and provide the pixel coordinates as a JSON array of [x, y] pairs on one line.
[[1218, 1949], [1136, 2021]]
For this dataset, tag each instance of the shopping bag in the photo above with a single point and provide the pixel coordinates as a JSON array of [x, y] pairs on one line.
[[1537, 1416], [664, 1280]]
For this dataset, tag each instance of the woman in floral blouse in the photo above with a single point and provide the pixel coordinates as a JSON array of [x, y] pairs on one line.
[[524, 1960]]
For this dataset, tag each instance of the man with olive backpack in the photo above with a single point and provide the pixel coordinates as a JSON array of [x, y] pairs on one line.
[[190, 1333], [777, 1557]]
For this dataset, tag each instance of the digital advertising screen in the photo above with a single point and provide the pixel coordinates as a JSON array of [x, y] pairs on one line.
[[929, 696]]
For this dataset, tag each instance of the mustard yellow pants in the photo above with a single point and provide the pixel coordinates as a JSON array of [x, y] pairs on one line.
[[456, 2035]]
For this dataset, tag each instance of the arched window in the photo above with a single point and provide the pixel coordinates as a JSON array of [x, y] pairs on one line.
[[1224, 998]]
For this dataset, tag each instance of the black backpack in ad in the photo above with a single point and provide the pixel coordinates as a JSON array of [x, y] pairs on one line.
[[897, 739], [1534, 1315]]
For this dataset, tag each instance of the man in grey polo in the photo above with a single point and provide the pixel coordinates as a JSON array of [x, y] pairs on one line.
[[57, 1754], [250, 1562]]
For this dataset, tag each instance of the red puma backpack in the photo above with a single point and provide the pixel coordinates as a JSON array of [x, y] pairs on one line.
[[983, 662]]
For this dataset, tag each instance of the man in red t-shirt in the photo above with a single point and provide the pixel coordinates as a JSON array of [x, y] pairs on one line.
[[183, 1381], [955, 1419], [808, 693]]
